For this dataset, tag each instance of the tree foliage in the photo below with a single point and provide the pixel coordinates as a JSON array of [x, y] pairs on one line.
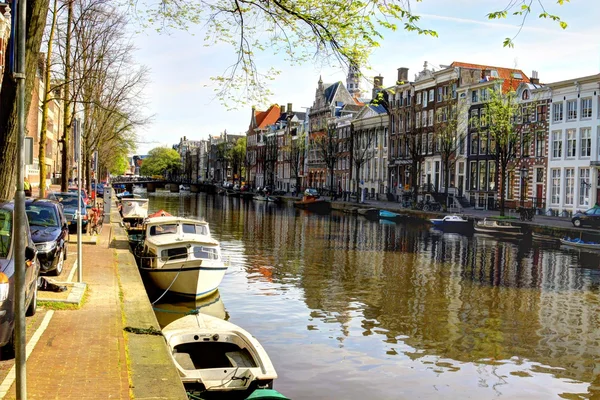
[[238, 157], [328, 150], [160, 161], [301, 31]]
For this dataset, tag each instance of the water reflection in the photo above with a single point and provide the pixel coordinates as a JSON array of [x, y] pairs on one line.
[[400, 298], [171, 309]]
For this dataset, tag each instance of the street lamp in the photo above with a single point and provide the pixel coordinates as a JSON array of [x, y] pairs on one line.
[[524, 175]]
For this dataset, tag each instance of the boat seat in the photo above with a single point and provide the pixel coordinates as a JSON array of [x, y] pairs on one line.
[[184, 360], [240, 359]]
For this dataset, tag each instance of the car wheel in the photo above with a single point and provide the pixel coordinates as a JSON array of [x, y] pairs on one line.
[[7, 351], [66, 245], [577, 223], [61, 260], [33, 303]]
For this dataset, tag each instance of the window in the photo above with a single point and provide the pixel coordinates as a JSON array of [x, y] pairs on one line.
[[178, 253], [207, 253], [483, 118], [484, 94], [586, 142], [424, 99], [195, 229], [555, 198], [557, 144], [474, 144], [510, 185], [424, 118], [474, 96], [5, 232], [586, 108], [571, 110], [454, 90], [571, 143], [483, 143], [569, 185], [539, 144], [474, 118], [440, 94], [473, 171], [431, 94], [492, 174], [418, 119], [525, 145], [557, 112], [430, 118], [584, 187], [419, 98], [542, 111], [482, 175]]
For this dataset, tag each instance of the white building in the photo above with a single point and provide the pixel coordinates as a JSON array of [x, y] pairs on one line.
[[574, 148]]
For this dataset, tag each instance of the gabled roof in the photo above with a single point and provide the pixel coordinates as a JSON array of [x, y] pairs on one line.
[[330, 92], [269, 117], [510, 75], [379, 109]]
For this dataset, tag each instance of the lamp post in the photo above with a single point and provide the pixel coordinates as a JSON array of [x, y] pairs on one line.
[[524, 174]]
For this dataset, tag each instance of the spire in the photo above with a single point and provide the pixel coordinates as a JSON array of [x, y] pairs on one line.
[[353, 81]]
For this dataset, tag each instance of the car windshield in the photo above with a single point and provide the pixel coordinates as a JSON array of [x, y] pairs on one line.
[[75, 191], [5, 232], [41, 215], [69, 201]]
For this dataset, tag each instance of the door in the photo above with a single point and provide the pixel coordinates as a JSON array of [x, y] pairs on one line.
[[461, 182], [539, 193]]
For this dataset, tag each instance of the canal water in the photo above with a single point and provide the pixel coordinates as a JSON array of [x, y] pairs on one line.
[[350, 308]]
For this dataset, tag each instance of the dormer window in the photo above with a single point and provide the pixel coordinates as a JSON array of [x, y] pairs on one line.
[[525, 95]]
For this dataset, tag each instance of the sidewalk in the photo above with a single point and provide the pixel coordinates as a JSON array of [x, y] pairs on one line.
[[81, 354]]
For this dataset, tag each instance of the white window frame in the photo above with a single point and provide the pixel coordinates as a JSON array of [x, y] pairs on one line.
[[569, 186], [586, 112], [584, 187], [556, 145], [557, 112], [555, 186], [431, 95], [571, 135], [571, 110], [585, 140]]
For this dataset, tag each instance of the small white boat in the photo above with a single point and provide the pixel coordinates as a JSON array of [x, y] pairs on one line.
[[449, 220], [135, 208], [580, 244], [184, 188], [217, 356], [180, 256], [497, 228]]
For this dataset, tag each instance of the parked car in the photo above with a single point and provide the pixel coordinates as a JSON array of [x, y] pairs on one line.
[[311, 192], [590, 217], [50, 233], [69, 202], [84, 194], [7, 278]]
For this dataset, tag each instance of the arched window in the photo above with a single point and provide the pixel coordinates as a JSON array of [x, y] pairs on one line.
[[525, 95]]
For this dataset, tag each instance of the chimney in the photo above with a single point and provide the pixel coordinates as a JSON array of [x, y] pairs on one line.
[[534, 78], [282, 109], [289, 108], [402, 74], [377, 85]]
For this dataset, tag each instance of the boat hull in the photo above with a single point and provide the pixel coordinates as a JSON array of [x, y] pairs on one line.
[[581, 245], [496, 231], [317, 206], [189, 281]]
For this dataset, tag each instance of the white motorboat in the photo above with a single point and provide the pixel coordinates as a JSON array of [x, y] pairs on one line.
[[217, 356], [180, 256], [494, 227], [452, 223]]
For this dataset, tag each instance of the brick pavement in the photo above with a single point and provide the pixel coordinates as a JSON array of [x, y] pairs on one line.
[[81, 354]]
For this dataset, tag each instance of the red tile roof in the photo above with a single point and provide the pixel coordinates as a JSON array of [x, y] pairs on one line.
[[265, 118], [510, 82]]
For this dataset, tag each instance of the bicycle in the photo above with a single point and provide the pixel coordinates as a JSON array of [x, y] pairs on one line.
[[526, 214]]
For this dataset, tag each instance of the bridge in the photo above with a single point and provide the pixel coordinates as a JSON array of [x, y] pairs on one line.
[[172, 185]]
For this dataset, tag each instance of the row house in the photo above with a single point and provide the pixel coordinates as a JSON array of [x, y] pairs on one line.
[[370, 150], [5, 26], [255, 144], [186, 149], [573, 179], [481, 166], [331, 102], [343, 168], [287, 128]]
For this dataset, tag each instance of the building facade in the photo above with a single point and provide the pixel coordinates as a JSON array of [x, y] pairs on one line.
[[573, 179]]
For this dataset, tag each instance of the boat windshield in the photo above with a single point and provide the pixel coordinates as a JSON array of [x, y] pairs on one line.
[[163, 229], [177, 253], [207, 253], [195, 229]]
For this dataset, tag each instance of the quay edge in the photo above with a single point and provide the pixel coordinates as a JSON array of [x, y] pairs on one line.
[[152, 374]]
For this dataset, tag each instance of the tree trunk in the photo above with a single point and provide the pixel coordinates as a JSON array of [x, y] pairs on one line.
[[68, 118], [37, 11], [502, 184], [446, 181], [357, 183]]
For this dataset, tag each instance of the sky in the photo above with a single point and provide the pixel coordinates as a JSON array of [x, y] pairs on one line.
[[180, 94]]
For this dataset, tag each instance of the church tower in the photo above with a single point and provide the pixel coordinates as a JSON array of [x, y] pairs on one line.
[[353, 81]]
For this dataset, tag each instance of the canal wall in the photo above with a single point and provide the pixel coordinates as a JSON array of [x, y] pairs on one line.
[[152, 374]]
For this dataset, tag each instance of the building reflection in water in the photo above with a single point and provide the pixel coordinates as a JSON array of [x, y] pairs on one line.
[[448, 296]]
